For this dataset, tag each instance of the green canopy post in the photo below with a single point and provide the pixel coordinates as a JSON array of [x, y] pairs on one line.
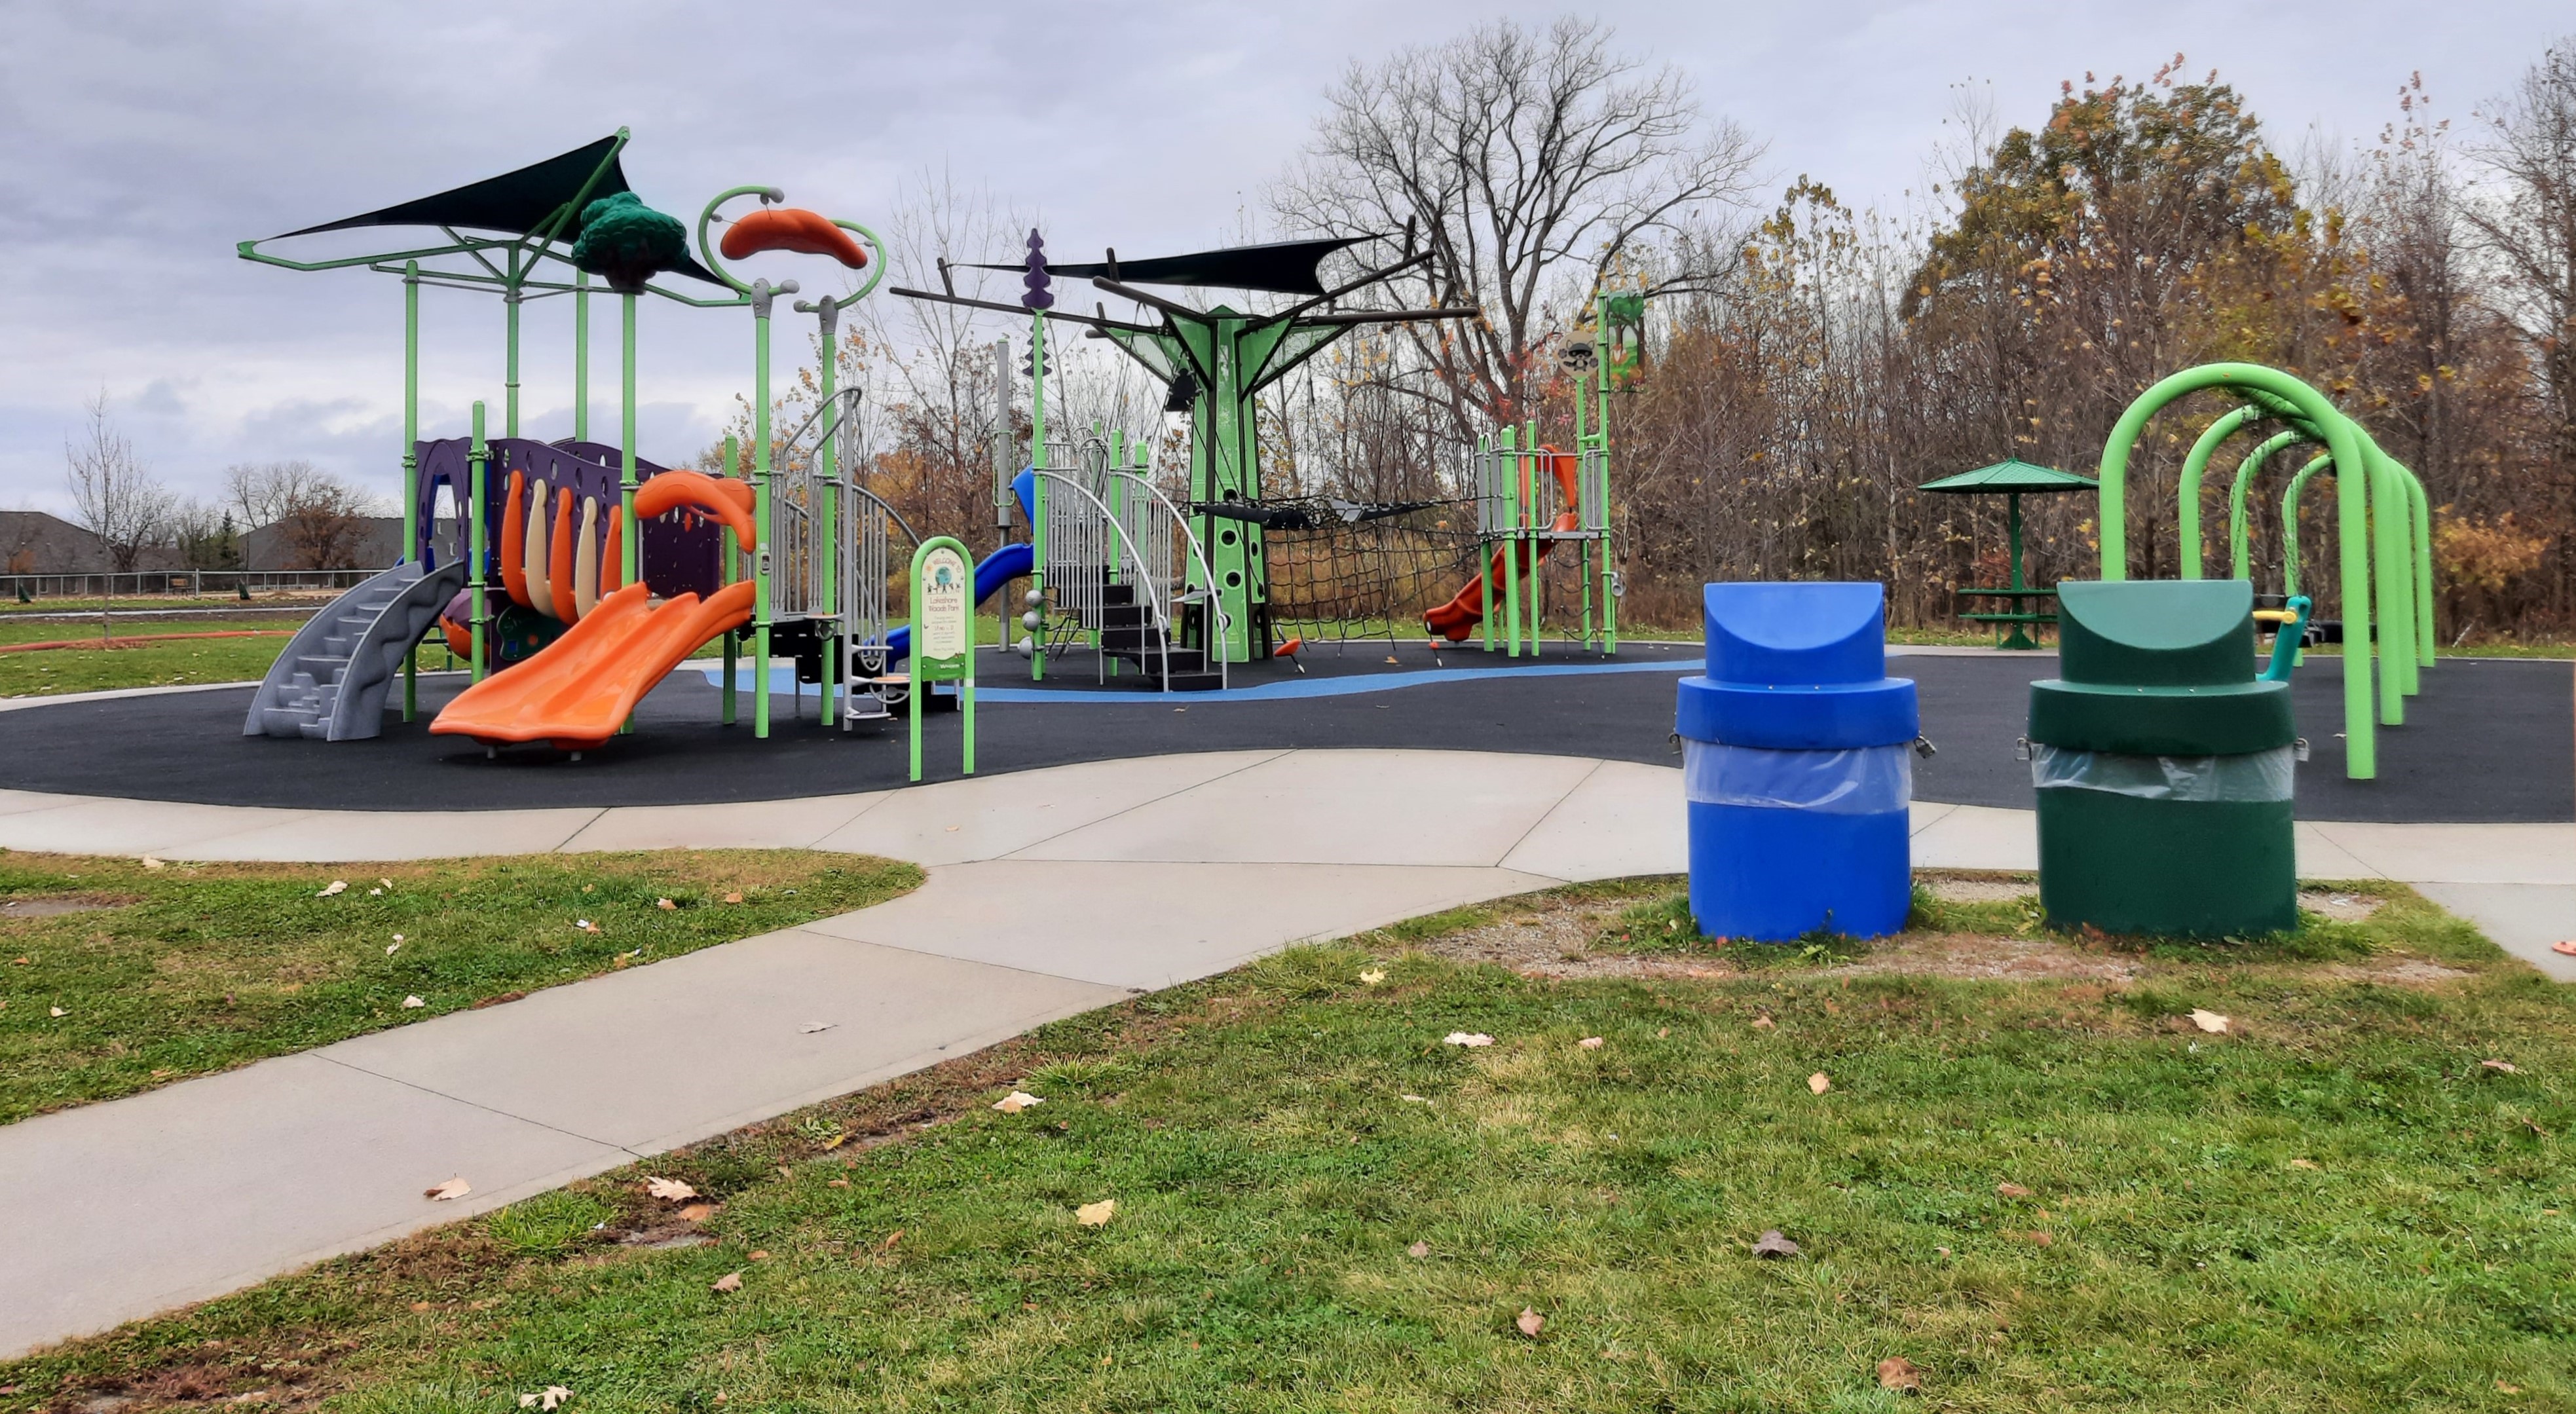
[[2012, 479]]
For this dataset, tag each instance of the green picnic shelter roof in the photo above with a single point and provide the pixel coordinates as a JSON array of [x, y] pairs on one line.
[[2011, 474]]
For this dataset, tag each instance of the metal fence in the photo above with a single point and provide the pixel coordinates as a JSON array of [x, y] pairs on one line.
[[139, 584]]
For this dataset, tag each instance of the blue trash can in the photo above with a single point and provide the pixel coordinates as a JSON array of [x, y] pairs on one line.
[[1797, 763]]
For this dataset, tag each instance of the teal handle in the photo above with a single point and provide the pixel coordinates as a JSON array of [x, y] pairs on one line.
[[2285, 642]]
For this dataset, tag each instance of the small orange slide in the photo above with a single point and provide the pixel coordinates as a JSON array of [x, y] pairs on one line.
[[582, 687], [1459, 617]]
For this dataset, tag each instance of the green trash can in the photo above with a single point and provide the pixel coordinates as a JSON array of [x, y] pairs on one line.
[[2164, 767]]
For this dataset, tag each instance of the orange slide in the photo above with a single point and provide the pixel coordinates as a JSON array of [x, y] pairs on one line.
[[1459, 617], [582, 687]]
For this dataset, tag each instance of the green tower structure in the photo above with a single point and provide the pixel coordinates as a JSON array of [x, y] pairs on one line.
[[1215, 361]]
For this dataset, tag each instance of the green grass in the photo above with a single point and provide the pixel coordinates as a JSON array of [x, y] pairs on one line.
[[50, 671], [197, 968], [2333, 1207]]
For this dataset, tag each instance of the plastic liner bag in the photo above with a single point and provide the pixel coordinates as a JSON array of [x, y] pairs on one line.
[[2252, 776], [1860, 780]]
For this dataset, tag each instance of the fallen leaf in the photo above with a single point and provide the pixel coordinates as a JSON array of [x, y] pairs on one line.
[[1762, 1023], [1590, 1043], [2039, 1239], [151, 863], [1419, 1249], [546, 1400], [730, 1281], [386, 883], [733, 898], [58, 1011], [664, 904], [670, 1189], [760, 1256], [1898, 1373], [1771, 1246], [836, 1141], [2507, 1067], [1944, 1251], [424, 1306], [838, 1183], [891, 1239], [1530, 1322], [2209, 1021], [585, 925], [375, 893], [1373, 976], [809, 1028], [389, 947], [1662, 1032], [337, 886], [2503, 1388], [2302, 1164], [1818, 1083], [1467, 1038], [1414, 1099], [1096, 1214], [696, 1212], [452, 1189], [2012, 1190], [1017, 1101], [411, 1002]]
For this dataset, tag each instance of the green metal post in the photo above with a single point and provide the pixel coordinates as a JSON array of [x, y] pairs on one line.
[[2290, 533], [477, 457], [761, 560], [581, 356], [630, 538], [1489, 594], [825, 540], [1609, 519], [510, 388], [1519, 459], [732, 573], [411, 463]]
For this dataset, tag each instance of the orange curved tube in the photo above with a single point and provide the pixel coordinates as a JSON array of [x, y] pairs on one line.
[[726, 499], [612, 561], [514, 541], [580, 688], [790, 228], [559, 562]]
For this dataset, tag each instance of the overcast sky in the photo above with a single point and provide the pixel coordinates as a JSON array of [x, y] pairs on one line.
[[139, 142]]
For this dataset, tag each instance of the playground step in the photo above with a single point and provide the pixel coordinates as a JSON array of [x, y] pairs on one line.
[[330, 682]]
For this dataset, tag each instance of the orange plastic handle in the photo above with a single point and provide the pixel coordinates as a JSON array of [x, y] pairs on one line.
[[514, 541], [725, 499], [790, 228]]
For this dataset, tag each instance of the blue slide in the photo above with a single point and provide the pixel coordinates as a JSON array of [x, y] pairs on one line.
[[998, 568]]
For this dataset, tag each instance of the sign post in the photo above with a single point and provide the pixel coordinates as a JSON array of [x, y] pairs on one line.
[[943, 641]]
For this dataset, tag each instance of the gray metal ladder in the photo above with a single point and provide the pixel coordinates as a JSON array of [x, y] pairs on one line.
[[331, 681]]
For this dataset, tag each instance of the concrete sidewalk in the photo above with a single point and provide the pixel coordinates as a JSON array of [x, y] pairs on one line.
[[1050, 893]]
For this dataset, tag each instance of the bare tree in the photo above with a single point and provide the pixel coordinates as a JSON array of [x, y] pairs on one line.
[[2528, 226], [1520, 155], [319, 520], [114, 493]]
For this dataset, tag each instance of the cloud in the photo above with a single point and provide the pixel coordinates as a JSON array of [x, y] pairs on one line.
[[145, 141]]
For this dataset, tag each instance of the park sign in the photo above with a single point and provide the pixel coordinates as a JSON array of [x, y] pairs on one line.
[[943, 642]]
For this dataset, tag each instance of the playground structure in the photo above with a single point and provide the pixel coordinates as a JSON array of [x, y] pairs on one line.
[[528, 552], [2383, 530], [1179, 589]]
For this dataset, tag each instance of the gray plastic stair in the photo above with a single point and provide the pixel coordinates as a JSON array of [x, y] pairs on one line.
[[331, 681]]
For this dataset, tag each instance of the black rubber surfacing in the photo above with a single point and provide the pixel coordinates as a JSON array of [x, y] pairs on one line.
[[2487, 740]]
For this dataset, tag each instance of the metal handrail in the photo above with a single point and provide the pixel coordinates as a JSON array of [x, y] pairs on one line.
[[1220, 620], [1154, 598]]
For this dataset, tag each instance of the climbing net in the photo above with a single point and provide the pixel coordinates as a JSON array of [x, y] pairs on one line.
[[1342, 570]]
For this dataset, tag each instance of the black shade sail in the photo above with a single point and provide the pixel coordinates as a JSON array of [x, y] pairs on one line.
[[1280, 267], [516, 203]]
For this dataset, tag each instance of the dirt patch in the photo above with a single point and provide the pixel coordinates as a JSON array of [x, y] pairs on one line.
[[1991, 958], [56, 905], [2401, 972], [1952, 890], [2341, 907], [1554, 937]]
